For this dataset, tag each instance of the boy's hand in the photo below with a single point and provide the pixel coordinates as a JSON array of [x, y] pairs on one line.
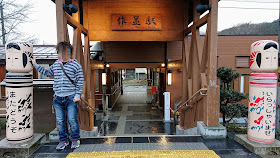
[[33, 60], [76, 99]]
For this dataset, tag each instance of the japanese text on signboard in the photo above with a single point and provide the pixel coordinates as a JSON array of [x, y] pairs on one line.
[[136, 22]]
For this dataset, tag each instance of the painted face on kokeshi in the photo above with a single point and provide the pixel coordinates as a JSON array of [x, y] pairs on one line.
[[264, 56], [18, 57]]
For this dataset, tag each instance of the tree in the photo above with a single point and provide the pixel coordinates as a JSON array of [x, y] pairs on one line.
[[230, 98], [265, 28], [12, 16]]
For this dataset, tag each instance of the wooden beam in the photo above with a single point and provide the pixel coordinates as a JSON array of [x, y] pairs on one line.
[[185, 55], [195, 71], [190, 92], [67, 33], [195, 64], [190, 57], [195, 100], [204, 53], [76, 16], [203, 80], [85, 14], [198, 46], [72, 22], [197, 24], [134, 65], [60, 21], [87, 65], [77, 44], [185, 69]]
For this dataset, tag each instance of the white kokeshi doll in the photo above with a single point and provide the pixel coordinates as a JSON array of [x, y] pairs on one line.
[[18, 57], [262, 92], [19, 93]]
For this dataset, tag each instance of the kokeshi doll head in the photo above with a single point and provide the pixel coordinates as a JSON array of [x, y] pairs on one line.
[[264, 56], [18, 57]]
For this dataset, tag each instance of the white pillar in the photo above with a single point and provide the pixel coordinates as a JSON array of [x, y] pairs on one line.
[[166, 106]]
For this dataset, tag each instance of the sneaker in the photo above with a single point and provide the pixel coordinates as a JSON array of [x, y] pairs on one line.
[[61, 145], [75, 144]]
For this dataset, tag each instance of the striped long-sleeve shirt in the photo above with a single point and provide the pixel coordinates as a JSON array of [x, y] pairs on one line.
[[62, 85]]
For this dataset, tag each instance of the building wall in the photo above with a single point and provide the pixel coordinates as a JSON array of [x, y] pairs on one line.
[[231, 47], [171, 11], [134, 52]]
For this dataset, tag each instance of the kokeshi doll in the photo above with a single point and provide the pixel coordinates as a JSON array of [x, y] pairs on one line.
[[263, 91], [19, 93]]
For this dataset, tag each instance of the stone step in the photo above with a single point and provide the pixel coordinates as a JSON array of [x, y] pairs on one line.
[[54, 137], [23, 149]]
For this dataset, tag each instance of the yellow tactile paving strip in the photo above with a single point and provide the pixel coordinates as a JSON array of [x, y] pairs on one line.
[[147, 154]]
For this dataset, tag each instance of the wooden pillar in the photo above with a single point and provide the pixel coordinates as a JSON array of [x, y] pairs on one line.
[[195, 68], [60, 21], [185, 53], [213, 92], [85, 115]]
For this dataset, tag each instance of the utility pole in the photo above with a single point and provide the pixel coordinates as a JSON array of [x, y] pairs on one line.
[[2, 22]]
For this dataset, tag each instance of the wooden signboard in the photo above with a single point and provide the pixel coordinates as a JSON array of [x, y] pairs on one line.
[[141, 22]]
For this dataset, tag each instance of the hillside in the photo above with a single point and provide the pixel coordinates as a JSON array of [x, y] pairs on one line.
[[252, 29]]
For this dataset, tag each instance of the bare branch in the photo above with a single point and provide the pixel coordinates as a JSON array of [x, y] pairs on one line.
[[15, 14]]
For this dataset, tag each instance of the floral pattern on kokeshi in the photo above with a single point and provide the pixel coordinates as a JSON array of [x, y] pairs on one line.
[[262, 107]]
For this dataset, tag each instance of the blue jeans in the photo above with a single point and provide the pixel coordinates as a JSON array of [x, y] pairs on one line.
[[66, 107]]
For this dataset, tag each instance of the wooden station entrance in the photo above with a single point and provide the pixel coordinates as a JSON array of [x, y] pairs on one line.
[[148, 33]]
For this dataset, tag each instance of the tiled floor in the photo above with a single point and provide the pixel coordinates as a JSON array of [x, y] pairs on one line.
[[133, 115], [225, 148]]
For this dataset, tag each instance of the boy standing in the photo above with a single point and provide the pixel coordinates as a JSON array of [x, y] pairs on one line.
[[67, 93]]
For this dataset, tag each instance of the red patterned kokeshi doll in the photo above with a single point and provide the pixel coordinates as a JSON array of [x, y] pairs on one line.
[[263, 91]]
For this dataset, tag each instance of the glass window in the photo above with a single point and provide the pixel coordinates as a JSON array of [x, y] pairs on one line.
[[242, 62]]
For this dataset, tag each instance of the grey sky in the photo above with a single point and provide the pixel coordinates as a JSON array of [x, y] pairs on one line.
[[44, 26]]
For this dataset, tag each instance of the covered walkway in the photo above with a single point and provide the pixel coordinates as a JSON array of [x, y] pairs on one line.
[[132, 115]]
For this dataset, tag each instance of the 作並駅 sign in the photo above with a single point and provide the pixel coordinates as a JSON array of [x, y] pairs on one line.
[[142, 22]]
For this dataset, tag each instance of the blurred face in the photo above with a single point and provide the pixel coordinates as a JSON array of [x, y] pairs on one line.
[[64, 53]]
